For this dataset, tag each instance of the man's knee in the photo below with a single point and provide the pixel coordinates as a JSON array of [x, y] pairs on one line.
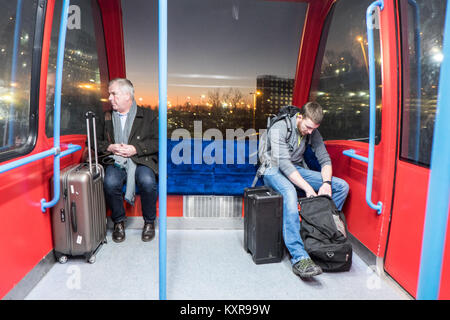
[[145, 179], [112, 183], [341, 186]]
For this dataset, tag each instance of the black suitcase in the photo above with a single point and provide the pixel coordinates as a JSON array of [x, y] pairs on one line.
[[263, 220]]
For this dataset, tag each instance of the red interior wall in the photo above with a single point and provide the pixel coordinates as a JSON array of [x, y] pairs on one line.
[[26, 235]]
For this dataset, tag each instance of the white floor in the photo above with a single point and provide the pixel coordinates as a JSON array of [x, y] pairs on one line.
[[201, 264]]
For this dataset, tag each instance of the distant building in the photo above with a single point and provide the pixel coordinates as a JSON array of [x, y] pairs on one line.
[[275, 93]]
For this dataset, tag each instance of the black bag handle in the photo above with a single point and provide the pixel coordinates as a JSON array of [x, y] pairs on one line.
[[73, 216]]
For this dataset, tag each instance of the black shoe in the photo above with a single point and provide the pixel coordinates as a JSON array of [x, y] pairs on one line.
[[306, 268], [148, 233], [118, 234]]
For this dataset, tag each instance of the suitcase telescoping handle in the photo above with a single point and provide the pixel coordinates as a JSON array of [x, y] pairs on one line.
[[73, 216], [91, 115]]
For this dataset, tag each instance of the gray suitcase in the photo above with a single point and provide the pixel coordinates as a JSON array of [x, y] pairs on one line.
[[79, 217]]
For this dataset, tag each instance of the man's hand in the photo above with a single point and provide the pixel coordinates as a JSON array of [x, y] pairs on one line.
[[298, 180], [127, 150], [114, 148], [123, 150], [325, 189], [310, 193]]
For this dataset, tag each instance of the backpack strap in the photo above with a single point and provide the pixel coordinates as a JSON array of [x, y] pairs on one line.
[[289, 130], [288, 113]]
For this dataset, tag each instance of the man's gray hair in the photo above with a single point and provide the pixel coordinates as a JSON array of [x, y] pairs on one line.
[[125, 85]]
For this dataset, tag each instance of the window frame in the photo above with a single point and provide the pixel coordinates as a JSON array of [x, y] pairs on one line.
[[33, 120], [315, 76], [405, 82], [98, 33]]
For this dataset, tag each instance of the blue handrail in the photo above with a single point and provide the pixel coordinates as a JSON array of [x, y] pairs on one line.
[[162, 51], [372, 103], [372, 111], [352, 154], [436, 218], [38, 156]]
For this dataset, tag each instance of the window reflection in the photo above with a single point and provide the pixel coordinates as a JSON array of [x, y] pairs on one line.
[[341, 79], [83, 86], [17, 24], [422, 24]]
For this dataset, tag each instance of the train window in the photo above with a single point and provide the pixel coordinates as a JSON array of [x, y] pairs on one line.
[[341, 78], [84, 85], [422, 27], [230, 63], [18, 103]]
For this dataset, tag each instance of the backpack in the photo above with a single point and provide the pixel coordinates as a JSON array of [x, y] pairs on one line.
[[324, 233], [285, 113]]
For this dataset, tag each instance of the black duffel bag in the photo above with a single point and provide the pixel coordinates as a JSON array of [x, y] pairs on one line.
[[324, 233]]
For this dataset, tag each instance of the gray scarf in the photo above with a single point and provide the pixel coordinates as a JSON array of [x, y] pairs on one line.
[[122, 136]]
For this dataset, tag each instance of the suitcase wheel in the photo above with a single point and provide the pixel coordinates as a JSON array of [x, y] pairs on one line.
[[62, 259], [91, 259]]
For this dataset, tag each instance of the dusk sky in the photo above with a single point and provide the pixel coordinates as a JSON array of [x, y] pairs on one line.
[[212, 44]]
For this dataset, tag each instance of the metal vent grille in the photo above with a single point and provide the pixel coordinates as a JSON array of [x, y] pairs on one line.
[[212, 206]]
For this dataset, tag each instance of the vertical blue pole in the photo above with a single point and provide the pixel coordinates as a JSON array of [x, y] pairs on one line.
[[439, 186], [372, 102], [162, 51], [59, 72], [57, 108]]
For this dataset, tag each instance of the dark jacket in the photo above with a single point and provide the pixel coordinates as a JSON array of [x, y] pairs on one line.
[[143, 136]]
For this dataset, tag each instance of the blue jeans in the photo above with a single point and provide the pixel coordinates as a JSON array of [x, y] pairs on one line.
[[275, 179], [115, 179]]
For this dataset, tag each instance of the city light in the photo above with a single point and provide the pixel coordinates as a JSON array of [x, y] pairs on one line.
[[361, 42], [6, 98], [438, 57], [256, 93], [87, 86]]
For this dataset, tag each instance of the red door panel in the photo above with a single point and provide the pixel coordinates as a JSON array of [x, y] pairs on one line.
[[405, 238]]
